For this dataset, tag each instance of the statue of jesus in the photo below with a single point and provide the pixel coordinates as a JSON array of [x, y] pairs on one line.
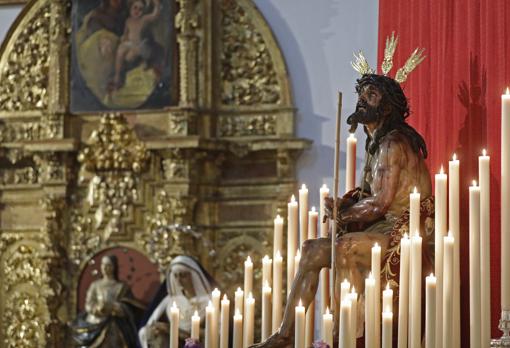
[[394, 165]]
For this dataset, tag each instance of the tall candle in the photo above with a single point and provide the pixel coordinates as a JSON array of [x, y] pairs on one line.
[[440, 231], [344, 338], [485, 226], [216, 294], [299, 332], [248, 277], [210, 334], [238, 330], [277, 291], [505, 201], [403, 291], [249, 321], [327, 327], [430, 311], [278, 235], [414, 211], [313, 217], [387, 299], [297, 259], [266, 329], [239, 301], [415, 301], [324, 225], [369, 311], [266, 269], [448, 291], [303, 213], [453, 225], [353, 297], [292, 236], [225, 310], [376, 272], [387, 327], [350, 171], [474, 267], [174, 326], [195, 326]]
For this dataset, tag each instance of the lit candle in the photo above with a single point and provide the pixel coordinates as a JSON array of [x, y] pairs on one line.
[[403, 291], [474, 267], [353, 297], [249, 321], [277, 291], [350, 171], [266, 269], [292, 235], [248, 277], [440, 211], [344, 338], [376, 272], [209, 327], [505, 201], [225, 309], [195, 326], [216, 294], [299, 335], [448, 291], [239, 301], [238, 330], [266, 312], [324, 225], [278, 235], [387, 326], [453, 225], [387, 299], [369, 311], [313, 217], [414, 212], [327, 327], [485, 254], [303, 214], [430, 311], [297, 259], [415, 306], [344, 289], [174, 326]]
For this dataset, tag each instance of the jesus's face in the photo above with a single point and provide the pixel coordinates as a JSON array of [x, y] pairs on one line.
[[368, 106]]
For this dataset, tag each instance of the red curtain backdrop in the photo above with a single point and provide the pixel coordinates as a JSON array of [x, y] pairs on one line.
[[455, 98]]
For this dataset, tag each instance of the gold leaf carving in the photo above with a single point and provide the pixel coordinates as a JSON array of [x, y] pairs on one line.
[[25, 76], [247, 70], [231, 126]]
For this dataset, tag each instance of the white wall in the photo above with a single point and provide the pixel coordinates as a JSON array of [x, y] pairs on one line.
[[317, 38]]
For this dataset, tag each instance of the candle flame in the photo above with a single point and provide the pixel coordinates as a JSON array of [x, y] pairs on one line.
[[376, 245], [484, 152], [351, 135], [265, 258], [450, 235], [237, 312], [353, 290], [248, 260], [454, 156], [266, 283], [300, 303], [278, 217], [303, 187], [327, 310], [225, 298], [174, 305], [250, 296], [298, 254], [209, 304], [387, 286], [278, 255], [313, 209], [474, 183], [406, 236], [441, 171], [196, 313], [293, 199], [415, 190], [432, 274], [239, 289], [507, 91]]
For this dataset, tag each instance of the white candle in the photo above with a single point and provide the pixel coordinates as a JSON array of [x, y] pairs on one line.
[[292, 236], [344, 338], [327, 327], [239, 301], [485, 254], [195, 326], [440, 211], [266, 269], [350, 171], [324, 225], [415, 294], [225, 310], [238, 330], [344, 289], [278, 235], [299, 334], [313, 217], [505, 201], [353, 297], [174, 326], [430, 311], [303, 214], [248, 277], [249, 321], [266, 329], [297, 259], [474, 267], [387, 299], [403, 291], [448, 291], [369, 311], [387, 327], [210, 334], [414, 212], [453, 225], [216, 294], [277, 291], [376, 272]]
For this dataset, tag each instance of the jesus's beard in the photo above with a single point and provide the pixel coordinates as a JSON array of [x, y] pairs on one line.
[[364, 114]]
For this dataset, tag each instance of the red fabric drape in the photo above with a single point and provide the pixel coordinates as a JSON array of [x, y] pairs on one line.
[[455, 99]]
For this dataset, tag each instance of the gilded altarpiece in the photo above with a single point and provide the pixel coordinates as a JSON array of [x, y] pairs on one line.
[[220, 159]]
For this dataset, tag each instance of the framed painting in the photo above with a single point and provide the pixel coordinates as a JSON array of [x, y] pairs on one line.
[[122, 55]]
